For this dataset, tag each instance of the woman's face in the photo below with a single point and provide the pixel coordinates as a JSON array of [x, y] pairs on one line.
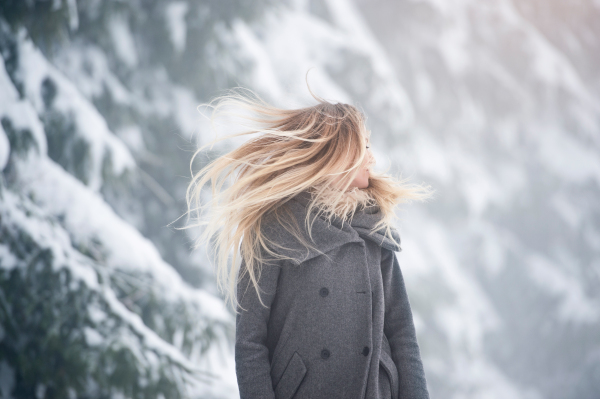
[[362, 178]]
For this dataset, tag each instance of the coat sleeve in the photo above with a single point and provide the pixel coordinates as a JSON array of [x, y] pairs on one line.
[[253, 368], [400, 330]]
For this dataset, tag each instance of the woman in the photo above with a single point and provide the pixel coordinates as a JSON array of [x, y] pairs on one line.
[[322, 310]]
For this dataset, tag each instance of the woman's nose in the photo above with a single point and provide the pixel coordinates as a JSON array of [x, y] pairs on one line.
[[370, 159]]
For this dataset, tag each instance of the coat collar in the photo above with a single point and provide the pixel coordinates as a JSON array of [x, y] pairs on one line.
[[327, 237]]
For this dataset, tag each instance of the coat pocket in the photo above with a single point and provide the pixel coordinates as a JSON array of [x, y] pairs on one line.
[[292, 377], [389, 366]]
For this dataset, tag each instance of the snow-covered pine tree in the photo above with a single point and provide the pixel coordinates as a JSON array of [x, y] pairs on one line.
[[88, 308]]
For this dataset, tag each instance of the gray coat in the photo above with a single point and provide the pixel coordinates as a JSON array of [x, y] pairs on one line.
[[338, 322]]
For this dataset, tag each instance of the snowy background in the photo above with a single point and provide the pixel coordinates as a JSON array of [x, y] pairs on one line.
[[496, 105]]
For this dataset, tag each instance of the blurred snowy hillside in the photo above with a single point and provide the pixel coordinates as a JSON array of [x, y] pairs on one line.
[[495, 104]]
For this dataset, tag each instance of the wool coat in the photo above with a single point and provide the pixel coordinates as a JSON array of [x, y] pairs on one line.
[[337, 321]]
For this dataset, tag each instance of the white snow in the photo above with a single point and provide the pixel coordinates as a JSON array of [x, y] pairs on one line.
[[466, 316], [453, 47], [567, 210], [477, 184], [185, 109], [4, 149], [175, 15], [61, 194], [470, 315], [52, 236], [46, 235], [302, 31], [133, 137], [20, 114], [568, 158], [575, 304], [425, 89], [122, 38], [263, 69], [86, 219], [73, 15], [87, 68], [89, 123], [362, 41], [7, 260], [92, 337], [432, 159]]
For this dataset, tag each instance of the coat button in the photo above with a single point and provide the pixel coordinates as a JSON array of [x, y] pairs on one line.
[[325, 354], [323, 292], [365, 351]]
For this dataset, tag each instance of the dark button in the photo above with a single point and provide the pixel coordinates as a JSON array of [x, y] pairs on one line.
[[365, 351], [324, 292], [325, 354]]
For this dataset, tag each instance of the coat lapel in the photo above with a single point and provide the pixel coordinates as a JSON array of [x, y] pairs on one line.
[[325, 236]]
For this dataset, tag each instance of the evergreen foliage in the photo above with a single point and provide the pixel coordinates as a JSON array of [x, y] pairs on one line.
[[74, 322]]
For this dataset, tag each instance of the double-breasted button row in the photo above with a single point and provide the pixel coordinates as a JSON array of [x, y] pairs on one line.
[[324, 292]]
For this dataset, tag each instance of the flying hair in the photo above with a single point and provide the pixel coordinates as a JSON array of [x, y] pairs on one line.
[[319, 148]]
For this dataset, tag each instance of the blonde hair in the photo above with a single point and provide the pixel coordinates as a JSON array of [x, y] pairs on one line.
[[319, 148]]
